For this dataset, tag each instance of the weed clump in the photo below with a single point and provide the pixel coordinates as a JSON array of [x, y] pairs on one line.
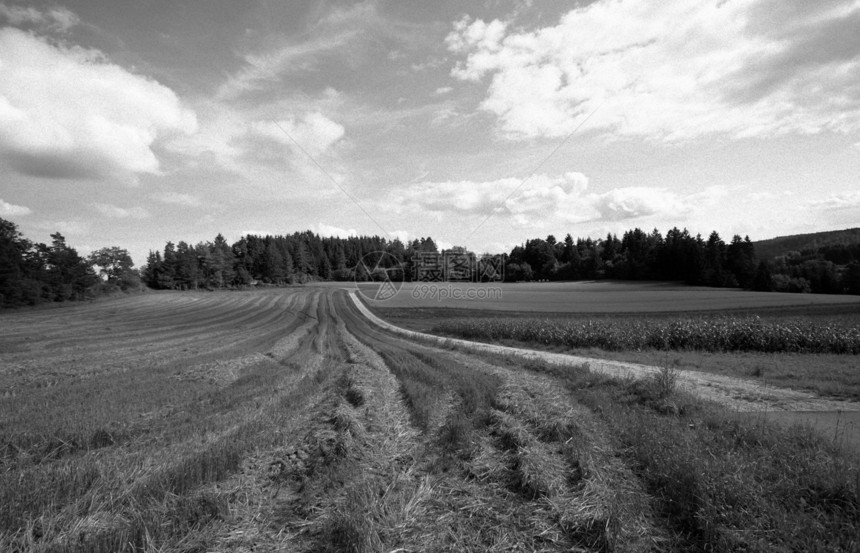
[[664, 382]]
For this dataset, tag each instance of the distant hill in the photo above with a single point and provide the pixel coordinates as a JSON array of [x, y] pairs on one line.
[[781, 245]]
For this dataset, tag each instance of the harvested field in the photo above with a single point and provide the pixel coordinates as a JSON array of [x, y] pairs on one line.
[[286, 420]]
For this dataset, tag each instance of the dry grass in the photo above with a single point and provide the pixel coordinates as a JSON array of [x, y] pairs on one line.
[[539, 473], [511, 432], [419, 449], [345, 420], [724, 483], [93, 464]]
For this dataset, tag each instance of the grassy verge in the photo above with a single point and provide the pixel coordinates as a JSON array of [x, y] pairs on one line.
[[724, 481], [828, 375]]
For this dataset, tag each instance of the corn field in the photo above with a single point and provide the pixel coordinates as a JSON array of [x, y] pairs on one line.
[[723, 333]]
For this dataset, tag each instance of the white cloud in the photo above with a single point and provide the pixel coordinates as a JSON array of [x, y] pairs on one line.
[[328, 230], [526, 201], [671, 70], [430, 63], [67, 113], [215, 141], [12, 210], [115, 212], [838, 202], [333, 36], [314, 132], [638, 201], [543, 199], [176, 198], [56, 18], [443, 115], [266, 69], [443, 90]]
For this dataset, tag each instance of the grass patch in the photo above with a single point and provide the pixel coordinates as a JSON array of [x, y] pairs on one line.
[[427, 381], [728, 484], [46, 506]]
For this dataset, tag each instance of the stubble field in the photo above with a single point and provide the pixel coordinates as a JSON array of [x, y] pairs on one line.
[[283, 419]]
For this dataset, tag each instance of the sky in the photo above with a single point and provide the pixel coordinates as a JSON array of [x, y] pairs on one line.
[[135, 122]]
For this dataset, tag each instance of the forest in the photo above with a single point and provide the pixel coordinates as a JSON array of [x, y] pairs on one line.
[[33, 273], [637, 255], [680, 256]]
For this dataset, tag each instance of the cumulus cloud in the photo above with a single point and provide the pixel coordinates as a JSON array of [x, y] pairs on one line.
[[525, 201], [543, 197], [671, 70], [115, 212], [443, 90], [12, 210], [56, 18], [65, 112], [638, 201]]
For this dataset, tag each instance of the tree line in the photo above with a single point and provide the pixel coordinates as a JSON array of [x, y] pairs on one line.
[[33, 273], [831, 269], [274, 260], [637, 255], [680, 256]]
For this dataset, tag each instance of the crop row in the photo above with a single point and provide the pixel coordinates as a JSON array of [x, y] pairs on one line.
[[728, 333]]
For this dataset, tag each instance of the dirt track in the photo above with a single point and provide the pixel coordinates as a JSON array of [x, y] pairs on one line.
[[735, 393], [835, 419]]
